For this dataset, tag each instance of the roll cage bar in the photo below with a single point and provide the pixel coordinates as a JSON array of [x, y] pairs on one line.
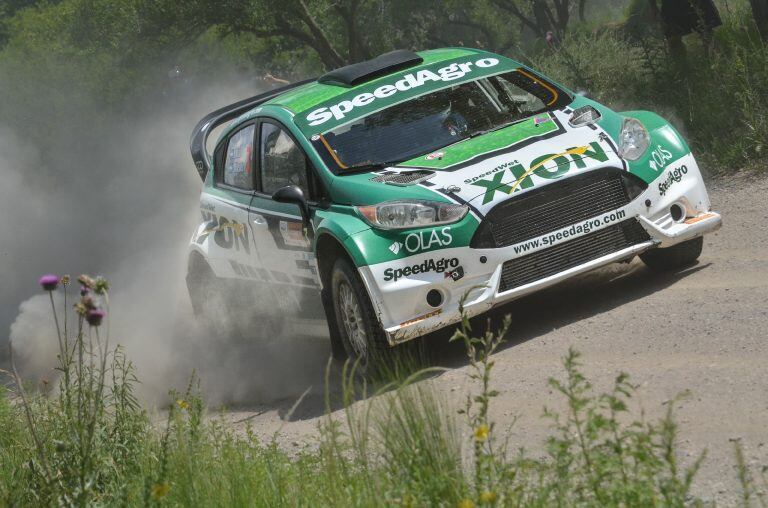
[[203, 129]]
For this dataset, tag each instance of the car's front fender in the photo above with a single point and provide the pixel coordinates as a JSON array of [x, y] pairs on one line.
[[666, 145]]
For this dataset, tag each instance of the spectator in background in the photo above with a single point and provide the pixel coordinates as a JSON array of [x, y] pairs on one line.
[[274, 82], [682, 17]]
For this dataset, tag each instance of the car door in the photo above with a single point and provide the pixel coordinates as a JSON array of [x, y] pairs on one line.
[[283, 245], [232, 252]]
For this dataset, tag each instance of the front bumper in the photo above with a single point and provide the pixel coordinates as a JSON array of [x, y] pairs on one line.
[[402, 305]]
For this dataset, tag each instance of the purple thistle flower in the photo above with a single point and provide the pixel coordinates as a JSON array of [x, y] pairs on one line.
[[84, 290], [95, 316], [49, 282]]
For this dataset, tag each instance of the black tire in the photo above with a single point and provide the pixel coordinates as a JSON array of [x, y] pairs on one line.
[[673, 258], [358, 328]]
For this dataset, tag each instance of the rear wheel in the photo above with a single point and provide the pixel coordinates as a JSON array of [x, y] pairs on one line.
[[358, 328], [227, 310], [673, 258]]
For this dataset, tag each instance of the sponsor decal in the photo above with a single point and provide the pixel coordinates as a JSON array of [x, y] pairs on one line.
[[540, 119], [500, 167], [436, 155], [227, 234], [455, 274], [421, 318], [576, 230], [563, 160], [674, 176], [659, 158], [430, 265], [293, 233], [424, 240], [409, 81], [699, 218]]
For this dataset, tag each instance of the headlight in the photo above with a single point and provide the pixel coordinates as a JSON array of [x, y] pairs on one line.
[[411, 214], [633, 140]]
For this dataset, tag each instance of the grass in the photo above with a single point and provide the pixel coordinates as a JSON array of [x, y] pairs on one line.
[[90, 443]]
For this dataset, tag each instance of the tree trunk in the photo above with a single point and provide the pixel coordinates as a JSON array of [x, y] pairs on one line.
[[760, 12]]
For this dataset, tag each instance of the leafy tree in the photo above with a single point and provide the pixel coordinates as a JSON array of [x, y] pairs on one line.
[[542, 16]]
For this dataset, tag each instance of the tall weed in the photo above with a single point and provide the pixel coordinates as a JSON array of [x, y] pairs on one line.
[[402, 443]]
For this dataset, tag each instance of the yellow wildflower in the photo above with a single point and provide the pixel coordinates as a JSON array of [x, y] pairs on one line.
[[183, 404], [466, 503], [160, 490], [481, 433], [488, 497]]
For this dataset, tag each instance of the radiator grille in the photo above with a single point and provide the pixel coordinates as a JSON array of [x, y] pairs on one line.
[[552, 260], [556, 206]]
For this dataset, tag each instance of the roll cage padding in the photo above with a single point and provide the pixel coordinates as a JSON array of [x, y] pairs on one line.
[[199, 138]]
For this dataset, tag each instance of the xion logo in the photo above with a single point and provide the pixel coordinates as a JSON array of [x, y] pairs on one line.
[[226, 233], [522, 175], [430, 265], [407, 82]]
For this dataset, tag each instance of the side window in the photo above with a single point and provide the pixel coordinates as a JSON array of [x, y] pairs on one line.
[[282, 161], [238, 162]]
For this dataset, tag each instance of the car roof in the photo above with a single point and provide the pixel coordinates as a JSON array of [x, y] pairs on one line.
[[307, 96]]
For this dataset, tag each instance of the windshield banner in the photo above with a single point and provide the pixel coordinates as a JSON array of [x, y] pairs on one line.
[[382, 93]]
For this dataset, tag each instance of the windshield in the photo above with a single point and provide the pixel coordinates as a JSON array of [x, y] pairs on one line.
[[432, 121]]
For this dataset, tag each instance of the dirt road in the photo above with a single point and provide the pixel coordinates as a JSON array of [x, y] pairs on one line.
[[703, 330]]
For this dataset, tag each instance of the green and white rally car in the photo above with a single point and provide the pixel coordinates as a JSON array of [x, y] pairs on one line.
[[392, 188]]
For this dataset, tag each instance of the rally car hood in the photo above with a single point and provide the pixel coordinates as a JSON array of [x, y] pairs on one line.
[[488, 169]]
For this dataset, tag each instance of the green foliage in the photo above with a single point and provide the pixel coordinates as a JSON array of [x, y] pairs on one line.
[[89, 442], [716, 96]]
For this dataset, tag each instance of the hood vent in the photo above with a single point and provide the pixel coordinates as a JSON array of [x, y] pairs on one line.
[[404, 178]]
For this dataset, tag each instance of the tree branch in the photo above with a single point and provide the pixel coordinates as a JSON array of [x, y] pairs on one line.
[[509, 6], [323, 45]]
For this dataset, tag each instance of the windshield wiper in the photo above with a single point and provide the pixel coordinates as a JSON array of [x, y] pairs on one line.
[[493, 129]]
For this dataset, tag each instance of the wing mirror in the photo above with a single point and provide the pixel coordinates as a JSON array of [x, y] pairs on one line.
[[293, 194]]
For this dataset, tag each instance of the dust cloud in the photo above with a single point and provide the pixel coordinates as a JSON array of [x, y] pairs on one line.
[[118, 197]]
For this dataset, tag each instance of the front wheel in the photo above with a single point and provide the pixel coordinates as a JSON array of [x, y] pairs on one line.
[[359, 330], [673, 258]]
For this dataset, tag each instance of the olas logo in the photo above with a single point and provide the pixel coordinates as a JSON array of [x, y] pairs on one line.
[[423, 240], [409, 81], [563, 161], [659, 158]]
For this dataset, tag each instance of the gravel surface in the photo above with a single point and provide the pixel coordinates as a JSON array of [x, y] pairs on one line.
[[702, 330]]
